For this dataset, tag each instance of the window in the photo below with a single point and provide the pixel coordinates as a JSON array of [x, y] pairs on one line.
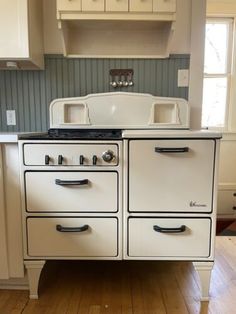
[[217, 72]]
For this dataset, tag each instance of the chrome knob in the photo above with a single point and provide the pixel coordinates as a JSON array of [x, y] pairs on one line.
[[108, 156]]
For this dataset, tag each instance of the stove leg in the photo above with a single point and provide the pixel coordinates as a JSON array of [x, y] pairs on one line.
[[34, 269], [204, 271]]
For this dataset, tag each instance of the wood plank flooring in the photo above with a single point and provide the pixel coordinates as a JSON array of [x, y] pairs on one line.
[[129, 287]]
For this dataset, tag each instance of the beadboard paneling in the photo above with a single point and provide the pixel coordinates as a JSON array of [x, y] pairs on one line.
[[30, 92]]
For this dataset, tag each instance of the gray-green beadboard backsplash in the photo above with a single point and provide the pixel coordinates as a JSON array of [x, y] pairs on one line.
[[30, 92]]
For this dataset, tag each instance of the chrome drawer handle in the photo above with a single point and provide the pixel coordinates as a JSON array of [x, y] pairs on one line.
[[72, 229], [71, 182], [169, 230], [171, 149]]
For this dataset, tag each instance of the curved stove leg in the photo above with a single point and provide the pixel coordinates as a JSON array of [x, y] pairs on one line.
[[34, 269], [204, 271]]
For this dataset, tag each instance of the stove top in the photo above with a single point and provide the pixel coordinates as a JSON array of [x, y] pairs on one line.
[[73, 134]]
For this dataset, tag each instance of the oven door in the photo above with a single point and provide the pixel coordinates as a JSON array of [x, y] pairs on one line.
[[171, 175]]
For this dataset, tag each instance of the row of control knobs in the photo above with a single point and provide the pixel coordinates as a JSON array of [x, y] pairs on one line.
[[107, 156]]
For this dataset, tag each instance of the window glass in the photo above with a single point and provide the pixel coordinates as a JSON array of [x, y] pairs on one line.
[[214, 102], [216, 44]]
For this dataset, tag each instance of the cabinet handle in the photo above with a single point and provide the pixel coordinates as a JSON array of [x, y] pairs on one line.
[[234, 208], [171, 149], [234, 194], [169, 230], [72, 182], [72, 229]]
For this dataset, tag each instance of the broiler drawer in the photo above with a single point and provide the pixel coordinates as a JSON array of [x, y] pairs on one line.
[[169, 237], [77, 191], [72, 237]]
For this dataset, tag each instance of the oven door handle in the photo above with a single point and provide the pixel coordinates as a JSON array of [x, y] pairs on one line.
[[71, 182], [169, 230], [72, 229], [171, 149]]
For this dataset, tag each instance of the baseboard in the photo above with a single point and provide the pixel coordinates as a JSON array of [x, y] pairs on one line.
[[14, 284]]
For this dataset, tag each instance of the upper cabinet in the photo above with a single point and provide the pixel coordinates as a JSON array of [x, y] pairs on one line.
[[21, 34], [116, 28]]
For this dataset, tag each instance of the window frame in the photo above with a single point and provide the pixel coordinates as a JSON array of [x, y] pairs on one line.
[[230, 20]]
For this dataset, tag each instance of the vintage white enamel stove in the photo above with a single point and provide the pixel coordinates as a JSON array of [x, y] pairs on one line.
[[119, 176]]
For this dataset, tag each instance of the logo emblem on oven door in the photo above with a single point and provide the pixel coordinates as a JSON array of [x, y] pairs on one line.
[[195, 204]]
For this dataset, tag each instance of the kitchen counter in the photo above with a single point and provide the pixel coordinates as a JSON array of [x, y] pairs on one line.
[[170, 134], [8, 138]]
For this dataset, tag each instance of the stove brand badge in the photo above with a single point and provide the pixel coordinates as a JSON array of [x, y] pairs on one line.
[[195, 204]]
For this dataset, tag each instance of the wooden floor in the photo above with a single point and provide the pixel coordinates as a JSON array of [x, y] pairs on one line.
[[129, 287]]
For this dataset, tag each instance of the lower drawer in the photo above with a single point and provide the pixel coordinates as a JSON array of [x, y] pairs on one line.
[[169, 237], [72, 237]]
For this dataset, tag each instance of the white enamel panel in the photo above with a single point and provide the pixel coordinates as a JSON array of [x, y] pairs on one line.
[[168, 6], [93, 5], [44, 195], [34, 154], [117, 5], [140, 5], [100, 240], [69, 5], [144, 241], [171, 182]]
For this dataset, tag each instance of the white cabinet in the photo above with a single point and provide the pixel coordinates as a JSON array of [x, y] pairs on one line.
[[11, 253], [164, 5], [117, 6], [21, 34], [4, 274], [227, 202], [140, 5], [93, 5], [69, 5], [116, 28]]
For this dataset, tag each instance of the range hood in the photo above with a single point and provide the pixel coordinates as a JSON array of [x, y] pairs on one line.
[[125, 35]]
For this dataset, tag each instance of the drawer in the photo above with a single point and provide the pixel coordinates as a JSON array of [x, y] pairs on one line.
[[171, 175], [226, 202], [69, 5], [35, 154], [140, 5], [144, 241], [72, 237], [117, 5], [93, 5], [56, 191], [168, 6]]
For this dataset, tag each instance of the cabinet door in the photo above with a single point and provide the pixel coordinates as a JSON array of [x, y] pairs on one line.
[[226, 202], [171, 175], [14, 30], [117, 5], [93, 5], [168, 6], [3, 238], [140, 5], [69, 5]]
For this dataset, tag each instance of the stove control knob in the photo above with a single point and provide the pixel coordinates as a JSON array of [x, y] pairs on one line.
[[81, 159], [60, 160], [108, 156], [47, 159], [95, 159]]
